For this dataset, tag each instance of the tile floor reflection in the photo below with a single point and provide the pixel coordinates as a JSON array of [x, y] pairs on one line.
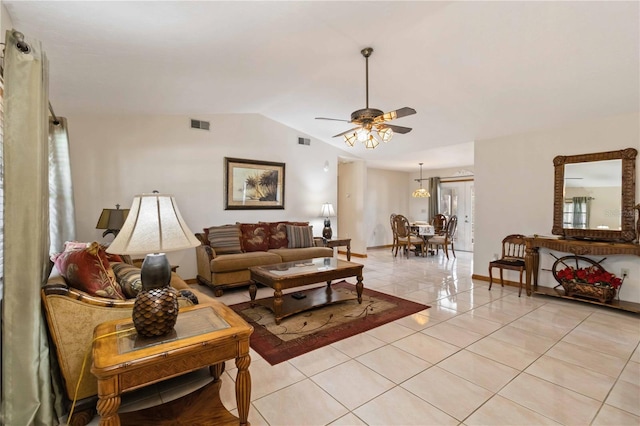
[[475, 358]]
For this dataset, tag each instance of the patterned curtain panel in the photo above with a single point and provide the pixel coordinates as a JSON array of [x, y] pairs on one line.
[[26, 373]]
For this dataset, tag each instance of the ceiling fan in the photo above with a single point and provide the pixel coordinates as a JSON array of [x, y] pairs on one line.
[[372, 122]]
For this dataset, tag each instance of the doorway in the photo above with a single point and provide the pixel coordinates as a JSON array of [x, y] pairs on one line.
[[457, 198]]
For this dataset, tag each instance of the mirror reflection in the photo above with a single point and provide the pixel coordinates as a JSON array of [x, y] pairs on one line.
[[593, 195]]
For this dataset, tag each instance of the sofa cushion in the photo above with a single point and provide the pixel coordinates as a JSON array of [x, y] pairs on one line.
[[128, 276], [254, 237], [224, 239], [88, 269], [292, 255], [300, 236], [235, 262]]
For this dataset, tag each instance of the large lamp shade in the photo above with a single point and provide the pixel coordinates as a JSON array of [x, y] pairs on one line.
[[154, 225]]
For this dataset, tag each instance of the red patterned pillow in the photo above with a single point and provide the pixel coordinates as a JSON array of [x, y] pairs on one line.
[[277, 234], [88, 269], [254, 237]]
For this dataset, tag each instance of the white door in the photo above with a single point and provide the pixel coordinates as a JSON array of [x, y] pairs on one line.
[[457, 198]]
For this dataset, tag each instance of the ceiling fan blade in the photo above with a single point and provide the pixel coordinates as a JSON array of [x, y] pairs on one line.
[[333, 119], [399, 113], [348, 131], [399, 129]]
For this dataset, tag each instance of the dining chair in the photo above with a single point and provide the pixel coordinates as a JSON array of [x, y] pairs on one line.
[[439, 223], [405, 238], [394, 234], [447, 238], [513, 252]]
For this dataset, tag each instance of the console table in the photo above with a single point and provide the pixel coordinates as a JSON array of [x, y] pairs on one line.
[[577, 247]]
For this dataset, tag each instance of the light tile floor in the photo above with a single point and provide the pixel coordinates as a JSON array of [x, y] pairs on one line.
[[474, 358]]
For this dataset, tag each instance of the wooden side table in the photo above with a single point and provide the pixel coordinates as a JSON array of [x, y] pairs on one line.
[[340, 242], [205, 335]]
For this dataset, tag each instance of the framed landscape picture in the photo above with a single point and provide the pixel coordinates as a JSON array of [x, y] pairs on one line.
[[251, 184]]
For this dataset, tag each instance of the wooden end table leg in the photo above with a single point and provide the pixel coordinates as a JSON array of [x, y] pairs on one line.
[[243, 388], [253, 289], [349, 251], [359, 287], [277, 305], [108, 410]]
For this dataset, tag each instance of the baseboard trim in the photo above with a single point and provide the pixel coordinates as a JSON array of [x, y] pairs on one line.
[[506, 282], [362, 256]]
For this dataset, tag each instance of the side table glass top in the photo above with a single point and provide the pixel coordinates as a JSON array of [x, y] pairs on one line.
[[189, 323]]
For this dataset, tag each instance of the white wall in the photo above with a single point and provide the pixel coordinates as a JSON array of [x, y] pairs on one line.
[[352, 178], [387, 192], [514, 179], [114, 158]]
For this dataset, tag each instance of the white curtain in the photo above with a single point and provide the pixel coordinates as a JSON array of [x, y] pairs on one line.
[[61, 212], [26, 384]]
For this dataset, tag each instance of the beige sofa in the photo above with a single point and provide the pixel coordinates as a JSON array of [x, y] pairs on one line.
[[227, 252], [71, 315]]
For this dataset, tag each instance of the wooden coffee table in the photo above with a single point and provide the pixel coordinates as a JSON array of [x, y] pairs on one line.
[[288, 275], [207, 334]]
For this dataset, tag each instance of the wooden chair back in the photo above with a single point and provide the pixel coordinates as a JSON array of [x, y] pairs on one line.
[[451, 227], [513, 247], [402, 227], [439, 222]]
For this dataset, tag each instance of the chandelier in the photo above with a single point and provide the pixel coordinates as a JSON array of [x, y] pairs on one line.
[[420, 192]]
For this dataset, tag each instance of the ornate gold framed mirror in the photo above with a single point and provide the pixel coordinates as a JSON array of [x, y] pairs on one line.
[[594, 196]]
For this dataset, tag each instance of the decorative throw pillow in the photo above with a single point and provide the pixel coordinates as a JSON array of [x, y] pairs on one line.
[[277, 235], [225, 239], [128, 276], [300, 236], [88, 269], [188, 294], [254, 237]]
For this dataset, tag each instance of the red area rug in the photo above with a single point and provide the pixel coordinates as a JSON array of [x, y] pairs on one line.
[[318, 327]]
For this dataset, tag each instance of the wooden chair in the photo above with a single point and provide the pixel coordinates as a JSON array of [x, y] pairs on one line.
[[513, 251], [405, 238], [447, 238], [439, 223], [393, 231]]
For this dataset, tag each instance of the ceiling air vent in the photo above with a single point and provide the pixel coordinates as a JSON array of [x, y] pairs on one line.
[[198, 124], [304, 141]]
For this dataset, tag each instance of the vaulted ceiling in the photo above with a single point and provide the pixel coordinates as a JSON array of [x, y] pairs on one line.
[[472, 70]]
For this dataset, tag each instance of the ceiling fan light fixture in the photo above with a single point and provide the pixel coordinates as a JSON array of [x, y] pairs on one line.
[[371, 142], [388, 116], [350, 139], [363, 134], [385, 134]]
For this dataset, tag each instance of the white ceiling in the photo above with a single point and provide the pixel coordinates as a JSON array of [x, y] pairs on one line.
[[472, 70]]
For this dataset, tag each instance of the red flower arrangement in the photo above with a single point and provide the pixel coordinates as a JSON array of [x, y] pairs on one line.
[[591, 275]]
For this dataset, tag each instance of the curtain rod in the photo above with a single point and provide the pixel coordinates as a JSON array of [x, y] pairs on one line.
[[53, 114]]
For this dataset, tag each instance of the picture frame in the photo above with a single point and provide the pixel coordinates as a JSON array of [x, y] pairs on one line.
[[253, 184]]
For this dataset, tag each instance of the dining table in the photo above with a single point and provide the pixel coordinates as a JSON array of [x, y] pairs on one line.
[[424, 231]]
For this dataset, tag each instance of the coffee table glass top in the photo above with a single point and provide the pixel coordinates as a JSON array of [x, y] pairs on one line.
[[189, 323], [300, 267]]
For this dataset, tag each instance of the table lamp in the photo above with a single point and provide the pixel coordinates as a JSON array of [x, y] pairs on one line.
[[154, 225], [112, 220], [327, 211]]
